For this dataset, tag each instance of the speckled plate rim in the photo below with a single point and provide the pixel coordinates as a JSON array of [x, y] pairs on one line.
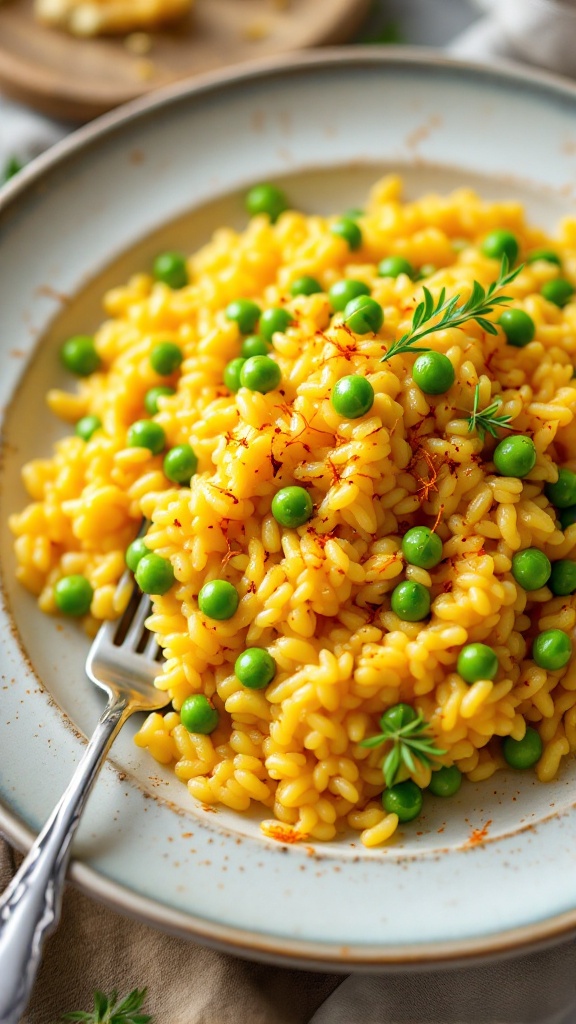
[[308, 954]]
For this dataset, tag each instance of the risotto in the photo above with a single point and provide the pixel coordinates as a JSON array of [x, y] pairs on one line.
[[351, 440]]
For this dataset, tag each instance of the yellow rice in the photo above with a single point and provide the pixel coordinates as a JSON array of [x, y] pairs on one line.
[[317, 597]]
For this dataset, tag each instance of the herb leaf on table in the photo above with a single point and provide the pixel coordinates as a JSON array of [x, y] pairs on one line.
[[107, 1010]]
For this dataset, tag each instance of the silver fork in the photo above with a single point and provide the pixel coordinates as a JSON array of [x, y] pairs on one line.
[[123, 661]]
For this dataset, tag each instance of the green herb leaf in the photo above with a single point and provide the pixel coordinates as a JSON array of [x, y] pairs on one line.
[[390, 34], [107, 1009], [485, 421], [12, 166], [410, 743]]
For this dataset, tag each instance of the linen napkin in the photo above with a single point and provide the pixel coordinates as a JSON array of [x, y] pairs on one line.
[[540, 32]]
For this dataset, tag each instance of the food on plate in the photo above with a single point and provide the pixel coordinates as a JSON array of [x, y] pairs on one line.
[[353, 441], [103, 17]]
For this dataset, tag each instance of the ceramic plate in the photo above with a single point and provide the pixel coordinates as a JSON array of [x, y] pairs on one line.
[[483, 872]]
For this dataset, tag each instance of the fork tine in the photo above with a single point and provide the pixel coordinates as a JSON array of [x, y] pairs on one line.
[[151, 648], [136, 627]]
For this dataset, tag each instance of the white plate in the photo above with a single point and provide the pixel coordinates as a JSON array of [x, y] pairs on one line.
[[165, 173]]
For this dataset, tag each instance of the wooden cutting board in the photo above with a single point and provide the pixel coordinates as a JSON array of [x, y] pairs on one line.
[[77, 79]]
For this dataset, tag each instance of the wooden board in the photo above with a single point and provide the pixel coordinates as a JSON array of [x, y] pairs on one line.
[[78, 79]]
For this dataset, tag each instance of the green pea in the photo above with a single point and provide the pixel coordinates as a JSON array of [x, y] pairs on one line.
[[352, 397], [231, 375], [154, 574], [523, 753], [353, 213], [559, 291], [421, 547], [342, 292], [563, 577], [518, 327], [398, 716], [218, 600], [87, 426], [165, 358], [79, 355], [180, 464], [433, 373], [255, 668], [531, 568], [199, 715], [147, 434], [501, 243], [272, 320], [260, 373], [245, 313], [305, 286], [254, 345], [348, 230], [562, 493], [152, 395], [410, 601], [268, 199], [515, 456], [171, 269], [393, 266], [364, 315], [426, 270], [445, 781], [404, 799], [73, 595], [567, 517], [547, 255], [292, 507], [477, 661], [134, 552], [552, 649]]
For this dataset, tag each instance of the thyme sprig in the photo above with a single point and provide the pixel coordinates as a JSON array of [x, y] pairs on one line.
[[107, 1010], [433, 315], [485, 421], [409, 743]]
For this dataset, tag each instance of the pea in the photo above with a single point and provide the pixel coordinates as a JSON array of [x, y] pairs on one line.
[[165, 358], [515, 456], [79, 355], [426, 270], [531, 568], [231, 375], [134, 552], [567, 517], [501, 243], [255, 668], [171, 269], [410, 601], [199, 715], [147, 434], [364, 315], [398, 716], [445, 781], [305, 286], [562, 493], [421, 547], [268, 199], [433, 373], [353, 213], [523, 753], [547, 255], [73, 595], [552, 649], [518, 327], [292, 507], [218, 600], [245, 313], [254, 345], [348, 230], [403, 799], [559, 291], [352, 396], [87, 426], [563, 577], [154, 574], [393, 266], [260, 373], [272, 320], [342, 292], [180, 464], [151, 398], [477, 661]]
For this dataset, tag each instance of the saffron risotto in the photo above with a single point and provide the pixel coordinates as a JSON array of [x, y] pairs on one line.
[[318, 597]]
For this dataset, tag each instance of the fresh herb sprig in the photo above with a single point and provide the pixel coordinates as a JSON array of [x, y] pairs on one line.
[[433, 315], [409, 743], [107, 1010], [485, 421]]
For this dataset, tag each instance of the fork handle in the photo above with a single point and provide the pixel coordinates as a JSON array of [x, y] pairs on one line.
[[30, 907]]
